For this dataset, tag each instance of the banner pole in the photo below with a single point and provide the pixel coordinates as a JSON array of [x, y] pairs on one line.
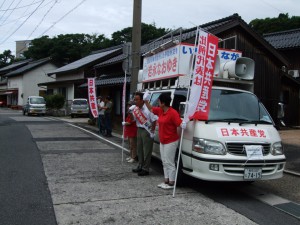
[[185, 110], [123, 109]]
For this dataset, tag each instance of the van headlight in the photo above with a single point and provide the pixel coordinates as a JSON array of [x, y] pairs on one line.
[[208, 147], [277, 148]]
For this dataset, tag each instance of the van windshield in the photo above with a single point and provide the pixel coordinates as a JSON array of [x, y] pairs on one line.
[[37, 101], [231, 106], [80, 102]]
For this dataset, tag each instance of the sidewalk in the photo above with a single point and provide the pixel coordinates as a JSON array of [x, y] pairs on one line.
[[291, 143], [290, 139]]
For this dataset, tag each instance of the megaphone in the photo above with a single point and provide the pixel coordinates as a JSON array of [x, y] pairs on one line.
[[242, 68]]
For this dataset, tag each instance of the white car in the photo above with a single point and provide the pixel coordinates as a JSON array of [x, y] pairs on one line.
[[35, 105], [79, 106]]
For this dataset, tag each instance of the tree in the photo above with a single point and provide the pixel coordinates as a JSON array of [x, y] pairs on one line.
[[148, 32], [6, 58], [66, 48], [269, 25]]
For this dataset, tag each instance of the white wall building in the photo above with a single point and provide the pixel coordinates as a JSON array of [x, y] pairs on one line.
[[24, 81]]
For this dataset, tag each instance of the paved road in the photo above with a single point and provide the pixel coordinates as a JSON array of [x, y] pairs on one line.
[[90, 185], [24, 193]]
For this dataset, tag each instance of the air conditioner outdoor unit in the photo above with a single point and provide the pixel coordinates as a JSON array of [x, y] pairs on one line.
[[294, 73]]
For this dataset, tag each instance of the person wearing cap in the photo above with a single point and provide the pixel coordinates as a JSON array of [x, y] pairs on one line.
[[130, 132], [101, 119], [107, 114]]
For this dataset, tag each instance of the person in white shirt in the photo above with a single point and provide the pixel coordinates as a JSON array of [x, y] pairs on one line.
[[101, 118], [145, 121]]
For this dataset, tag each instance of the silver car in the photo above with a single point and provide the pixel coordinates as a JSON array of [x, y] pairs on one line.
[[79, 106], [35, 105]]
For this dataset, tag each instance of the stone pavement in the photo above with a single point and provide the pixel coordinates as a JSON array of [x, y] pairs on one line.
[[290, 138]]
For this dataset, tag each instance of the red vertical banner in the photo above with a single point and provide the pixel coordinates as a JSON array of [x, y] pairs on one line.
[[199, 101], [92, 97]]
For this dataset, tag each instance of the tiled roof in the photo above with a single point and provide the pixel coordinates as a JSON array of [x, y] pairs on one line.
[[15, 65], [284, 39], [27, 67], [109, 80], [85, 61], [214, 27]]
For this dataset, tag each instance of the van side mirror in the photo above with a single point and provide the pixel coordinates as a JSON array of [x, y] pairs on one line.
[[280, 112]]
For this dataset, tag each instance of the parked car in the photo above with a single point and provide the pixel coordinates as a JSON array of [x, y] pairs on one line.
[[79, 106], [35, 105]]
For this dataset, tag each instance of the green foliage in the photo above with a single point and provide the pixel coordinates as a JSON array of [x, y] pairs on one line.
[[6, 58], [67, 48], [148, 32], [269, 25], [40, 48], [56, 101]]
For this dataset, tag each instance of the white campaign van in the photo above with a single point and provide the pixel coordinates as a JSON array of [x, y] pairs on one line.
[[238, 141]]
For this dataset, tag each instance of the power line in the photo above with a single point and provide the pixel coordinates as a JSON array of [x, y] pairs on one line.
[[6, 11], [22, 23], [28, 13], [24, 6], [2, 4], [62, 17], [11, 12], [272, 6], [42, 19]]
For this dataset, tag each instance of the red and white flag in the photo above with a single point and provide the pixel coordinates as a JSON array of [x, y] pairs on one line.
[[199, 101], [92, 97]]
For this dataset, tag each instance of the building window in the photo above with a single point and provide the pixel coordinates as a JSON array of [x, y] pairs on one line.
[[63, 91]]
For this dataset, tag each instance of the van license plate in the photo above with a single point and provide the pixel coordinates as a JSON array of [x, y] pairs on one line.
[[252, 173]]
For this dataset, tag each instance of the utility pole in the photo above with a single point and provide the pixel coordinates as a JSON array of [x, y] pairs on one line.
[[136, 43]]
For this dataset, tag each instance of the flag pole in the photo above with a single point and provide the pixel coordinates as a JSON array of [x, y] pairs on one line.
[[185, 110], [123, 109]]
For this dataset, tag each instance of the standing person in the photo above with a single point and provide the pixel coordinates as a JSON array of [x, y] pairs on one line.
[[101, 120], [107, 116], [130, 132], [168, 121], [145, 121]]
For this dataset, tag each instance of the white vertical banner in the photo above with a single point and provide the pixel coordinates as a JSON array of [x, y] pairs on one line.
[[92, 97], [198, 100]]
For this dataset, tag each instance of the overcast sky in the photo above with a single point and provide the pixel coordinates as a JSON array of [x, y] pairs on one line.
[[29, 19]]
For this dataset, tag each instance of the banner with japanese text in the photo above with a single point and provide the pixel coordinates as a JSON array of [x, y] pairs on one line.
[[205, 59], [92, 97]]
